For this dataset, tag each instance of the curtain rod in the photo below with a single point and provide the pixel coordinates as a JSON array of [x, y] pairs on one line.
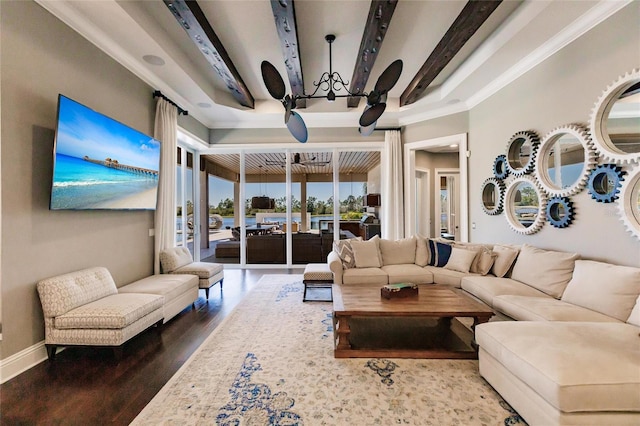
[[384, 129], [158, 94]]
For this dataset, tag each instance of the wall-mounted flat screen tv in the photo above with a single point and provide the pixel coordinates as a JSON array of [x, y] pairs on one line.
[[100, 163]]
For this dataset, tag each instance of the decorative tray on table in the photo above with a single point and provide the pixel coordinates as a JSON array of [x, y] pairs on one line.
[[400, 290]]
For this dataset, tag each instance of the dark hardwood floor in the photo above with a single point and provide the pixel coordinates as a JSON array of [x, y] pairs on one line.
[[87, 386]]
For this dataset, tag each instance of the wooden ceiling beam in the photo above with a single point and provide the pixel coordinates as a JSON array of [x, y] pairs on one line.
[[473, 15], [194, 22], [380, 14], [284, 14]]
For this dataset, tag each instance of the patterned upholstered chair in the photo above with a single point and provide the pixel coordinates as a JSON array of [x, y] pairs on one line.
[[178, 260], [83, 308]]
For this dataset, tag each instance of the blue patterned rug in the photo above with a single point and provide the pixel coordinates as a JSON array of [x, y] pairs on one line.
[[271, 363]]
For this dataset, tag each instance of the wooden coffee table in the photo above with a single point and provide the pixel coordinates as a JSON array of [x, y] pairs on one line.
[[366, 325]]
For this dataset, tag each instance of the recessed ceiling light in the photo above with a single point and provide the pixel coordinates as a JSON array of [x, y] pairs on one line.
[[153, 60], [204, 105], [453, 145]]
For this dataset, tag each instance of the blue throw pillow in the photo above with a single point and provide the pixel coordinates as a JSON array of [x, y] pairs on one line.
[[439, 252]]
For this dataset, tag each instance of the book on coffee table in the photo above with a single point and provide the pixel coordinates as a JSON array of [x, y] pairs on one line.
[[390, 291]]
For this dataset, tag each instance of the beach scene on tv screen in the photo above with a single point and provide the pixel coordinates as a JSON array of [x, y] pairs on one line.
[[101, 163]]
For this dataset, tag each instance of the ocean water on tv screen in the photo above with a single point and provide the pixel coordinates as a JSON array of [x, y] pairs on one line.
[[80, 184]]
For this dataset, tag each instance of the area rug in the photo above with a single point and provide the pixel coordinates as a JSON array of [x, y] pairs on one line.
[[271, 362]]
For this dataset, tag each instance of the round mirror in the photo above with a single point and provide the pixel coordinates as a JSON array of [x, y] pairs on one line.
[[525, 206], [615, 121], [492, 193], [565, 160], [560, 212], [521, 152], [604, 183], [629, 205], [500, 168]]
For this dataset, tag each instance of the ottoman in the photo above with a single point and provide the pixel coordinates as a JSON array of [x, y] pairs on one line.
[[317, 275]]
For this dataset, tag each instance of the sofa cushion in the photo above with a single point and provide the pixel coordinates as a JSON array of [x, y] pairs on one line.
[[505, 256], [527, 308], [603, 287], [460, 259], [581, 367], [173, 258], [546, 270], [398, 252], [345, 252], [367, 253], [634, 316], [63, 293], [446, 276], [422, 252], [169, 286], [203, 270], [484, 257], [487, 287], [439, 252], [407, 274], [115, 311], [365, 276]]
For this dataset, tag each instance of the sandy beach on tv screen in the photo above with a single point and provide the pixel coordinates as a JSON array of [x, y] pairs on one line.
[[141, 200]]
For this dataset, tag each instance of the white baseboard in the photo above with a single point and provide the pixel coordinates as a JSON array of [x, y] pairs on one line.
[[22, 361]]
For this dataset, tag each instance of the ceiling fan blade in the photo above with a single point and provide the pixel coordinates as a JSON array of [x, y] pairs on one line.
[[297, 127], [272, 79], [366, 131], [289, 104], [371, 115], [389, 77]]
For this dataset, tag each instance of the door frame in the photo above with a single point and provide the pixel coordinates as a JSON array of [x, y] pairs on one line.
[[410, 171], [426, 184], [443, 172]]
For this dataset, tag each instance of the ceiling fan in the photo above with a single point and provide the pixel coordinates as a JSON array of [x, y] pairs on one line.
[[330, 81], [297, 159]]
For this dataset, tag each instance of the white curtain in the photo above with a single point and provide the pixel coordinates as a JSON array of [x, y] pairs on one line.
[[392, 195], [166, 131]]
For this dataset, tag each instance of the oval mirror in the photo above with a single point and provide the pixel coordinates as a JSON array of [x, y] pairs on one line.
[[560, 212], [565, 160], [492, 193], [521, 152], [615, 121], [525, 206], [629, 204]]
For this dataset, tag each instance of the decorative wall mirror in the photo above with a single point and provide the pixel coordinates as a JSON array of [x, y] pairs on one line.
[[500, 167], [492, 194], [629, 204], [605, 182], [564, 161], [560, 212], [521, 152], [525, 205], [615, 120]]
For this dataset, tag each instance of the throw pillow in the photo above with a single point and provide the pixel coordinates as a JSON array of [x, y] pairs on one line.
[[505, 257], [422, 252], [634, 316], [460, 259], [438, 253], [602, 287], [483, 262], [366, 253], [398, 252], [345, 253], [546, 270]]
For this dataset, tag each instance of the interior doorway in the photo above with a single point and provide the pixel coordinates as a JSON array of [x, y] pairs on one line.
[[452, 144], [447, 203]]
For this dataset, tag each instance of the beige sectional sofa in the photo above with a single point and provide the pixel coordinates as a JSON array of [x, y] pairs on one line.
[[573, 355]]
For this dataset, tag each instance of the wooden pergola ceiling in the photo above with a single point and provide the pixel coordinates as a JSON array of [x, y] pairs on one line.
[[195, 23], [473, 15], [357, 163], [192, 19], [284, 14]]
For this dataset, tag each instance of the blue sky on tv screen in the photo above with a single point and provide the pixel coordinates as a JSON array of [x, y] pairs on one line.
[[82, 131]]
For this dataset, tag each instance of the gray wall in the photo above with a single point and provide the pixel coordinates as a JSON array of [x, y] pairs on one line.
[[40, 58], [560, 91], [443, 126]]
